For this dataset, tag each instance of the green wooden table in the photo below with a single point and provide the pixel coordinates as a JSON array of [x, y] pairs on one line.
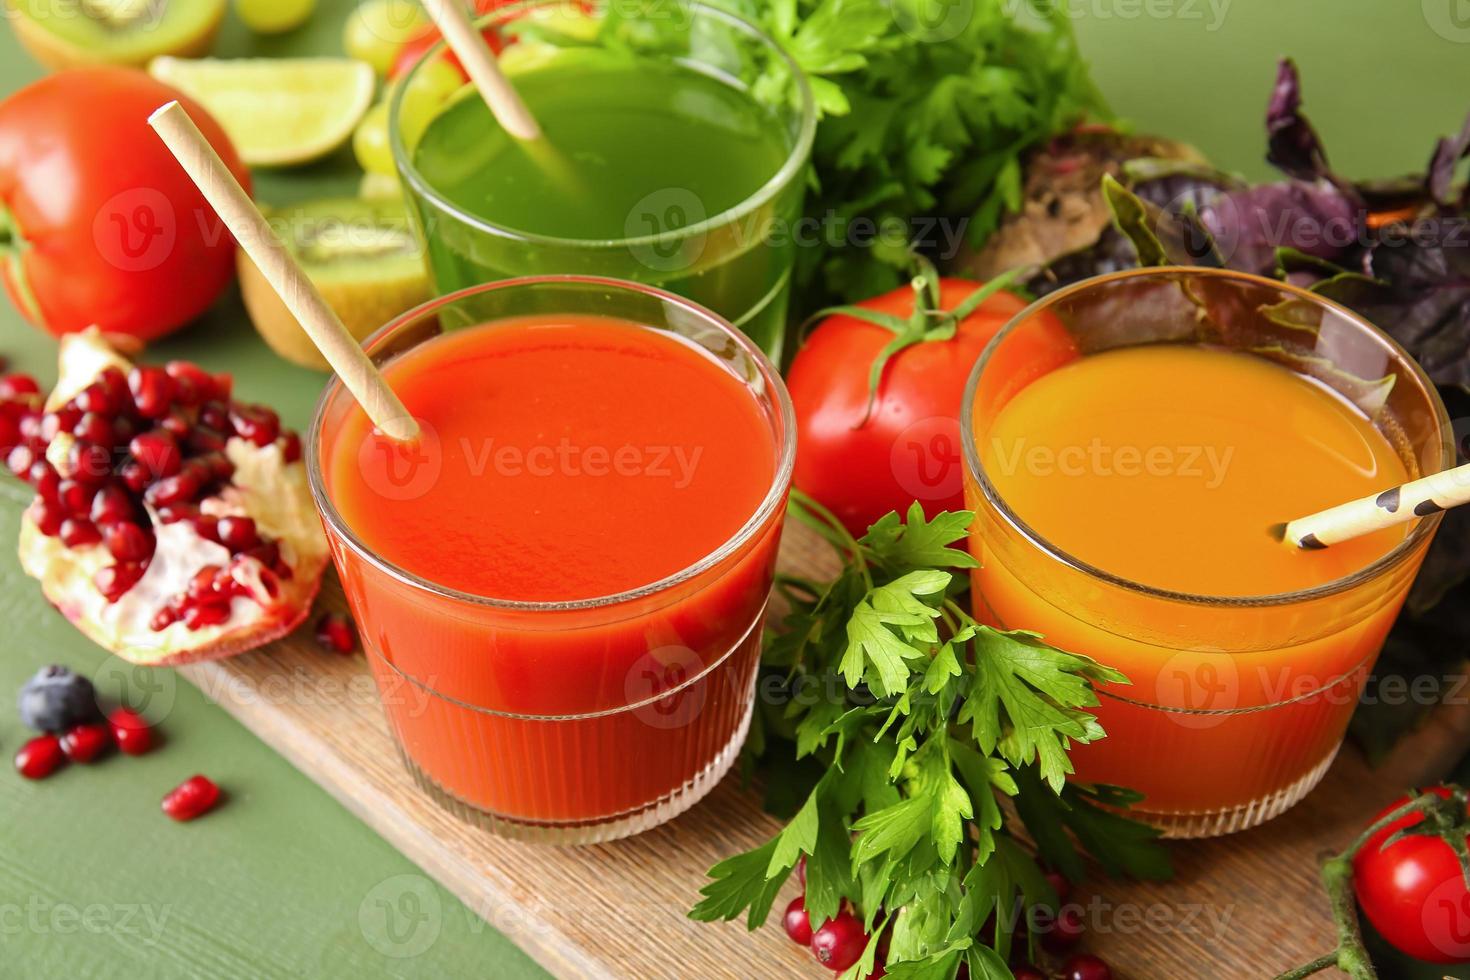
[[283, 882]]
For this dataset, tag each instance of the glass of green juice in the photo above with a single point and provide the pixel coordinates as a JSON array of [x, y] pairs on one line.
[[675, 149]]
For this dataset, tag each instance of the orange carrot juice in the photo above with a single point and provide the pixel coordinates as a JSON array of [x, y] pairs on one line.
[[1124, 514], [561, 586]]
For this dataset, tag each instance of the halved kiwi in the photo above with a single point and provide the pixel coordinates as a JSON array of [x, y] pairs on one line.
[[71, 33], [361, 255]]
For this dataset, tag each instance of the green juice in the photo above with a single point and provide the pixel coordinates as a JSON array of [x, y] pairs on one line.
[[637, 156]]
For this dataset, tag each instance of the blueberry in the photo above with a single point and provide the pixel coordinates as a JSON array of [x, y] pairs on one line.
[[56, 700]]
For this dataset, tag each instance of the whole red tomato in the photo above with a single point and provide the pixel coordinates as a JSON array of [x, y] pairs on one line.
[[1414, 893], [98, 223], [863, 451]]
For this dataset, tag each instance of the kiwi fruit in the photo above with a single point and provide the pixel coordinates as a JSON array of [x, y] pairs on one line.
[[73, 33], [360, 254]]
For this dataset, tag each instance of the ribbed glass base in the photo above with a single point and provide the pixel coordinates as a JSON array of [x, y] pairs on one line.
[[1218, 823], [597, 831]]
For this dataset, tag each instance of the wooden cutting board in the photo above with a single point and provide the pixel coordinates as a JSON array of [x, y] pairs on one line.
[[1240, 906]]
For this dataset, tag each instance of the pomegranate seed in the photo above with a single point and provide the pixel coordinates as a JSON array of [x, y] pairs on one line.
[[256, 423], [86, 742], [201, 586], [1085, 966], [158, 451], [78, 532], [206, 526], [45, 480], [335, 631], [215, 415], [30, 428], [202, 439], [39, 757], [797, 923], [94, 400], [17, 386], [128, 542], [176, 423], [205, 615], [95, 428], [115, 383], [135, 476], [237, 533], [9, 431], [178, 489], [269, 582], [115, 580], [130, 731], [163, 619], [195, 384], [224, 387], [153, 391], [19, 461], [217, 466], [48, 517], [291, 447], [110, 505], [840, 942], [88, 463], [63, 420], [192, 798], [76, 498]]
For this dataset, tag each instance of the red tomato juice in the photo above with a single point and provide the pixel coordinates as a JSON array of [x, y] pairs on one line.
[[569, 464]]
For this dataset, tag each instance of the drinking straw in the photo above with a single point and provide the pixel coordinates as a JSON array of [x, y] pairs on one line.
[[1419, 498], [248, 225], [479, 62]]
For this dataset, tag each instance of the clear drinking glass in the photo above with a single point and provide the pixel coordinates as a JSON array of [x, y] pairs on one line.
[[736, 261], [1237, 704], [483, 708]]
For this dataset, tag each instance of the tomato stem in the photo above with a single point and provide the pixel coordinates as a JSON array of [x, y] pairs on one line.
[[1307, 969]]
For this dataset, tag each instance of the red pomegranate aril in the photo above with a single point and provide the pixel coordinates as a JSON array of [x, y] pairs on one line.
[[45, 480], [335, 631], [1085, 966], [114, 581], [128, 542], [76, 498], [78, 532], [202, 439], [39, 757], [291, 447], [130, 731], [201, 588], [238, 533], [269, 555], [192, 798], [16, 386], [115, 384], [96, 428], [135, 476], [86, 742], [215, 415], [153, 391], [89, 463], [158, 451], [163, 619], [111, 504], [256, 423], [797, 923], [94, 400], [215, 466], [200, 616], [63, 420], [176, 423], [48, 517], [840, 942], [9, 430], [19, 461], [181, 488], [206, 526]]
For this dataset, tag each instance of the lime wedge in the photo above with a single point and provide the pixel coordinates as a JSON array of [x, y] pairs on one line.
[[277, 111]]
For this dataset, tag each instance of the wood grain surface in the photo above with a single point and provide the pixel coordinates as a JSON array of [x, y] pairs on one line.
[[1242, 906]]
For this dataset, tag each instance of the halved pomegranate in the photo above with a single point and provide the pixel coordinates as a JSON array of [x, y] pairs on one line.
[[170, 524]]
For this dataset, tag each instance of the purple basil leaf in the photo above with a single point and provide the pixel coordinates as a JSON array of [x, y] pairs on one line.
[[1315, 218], [1292, 142], [1448, 152]]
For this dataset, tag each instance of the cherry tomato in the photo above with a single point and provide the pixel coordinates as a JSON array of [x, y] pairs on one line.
[[862, 463], [416, 47], [98, 222], [1414, 892]]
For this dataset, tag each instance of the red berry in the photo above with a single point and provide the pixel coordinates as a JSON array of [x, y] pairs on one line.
[[128, 542], [1060, 885], [86, 742], [77, 532], [801, 871], [1085, 966], [336, 632], [153, 391], [1027, 972], [839, 943], [192, 798], [797, 923], [39, 757], [17, 386], [237, 533], [130, 731], [1066, 931]]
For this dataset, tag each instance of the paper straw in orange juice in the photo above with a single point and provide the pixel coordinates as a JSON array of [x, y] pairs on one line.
[[1416, 499]]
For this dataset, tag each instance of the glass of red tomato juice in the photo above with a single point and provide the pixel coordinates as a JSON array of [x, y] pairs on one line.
[[561, 586], [1130, 441]]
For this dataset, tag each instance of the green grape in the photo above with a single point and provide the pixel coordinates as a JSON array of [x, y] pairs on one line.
[[370, 142], [274, 16], [378, 28], [428, 89]]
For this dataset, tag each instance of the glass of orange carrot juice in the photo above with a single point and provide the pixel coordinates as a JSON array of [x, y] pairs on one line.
[[560, 586], [1129, 443]]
